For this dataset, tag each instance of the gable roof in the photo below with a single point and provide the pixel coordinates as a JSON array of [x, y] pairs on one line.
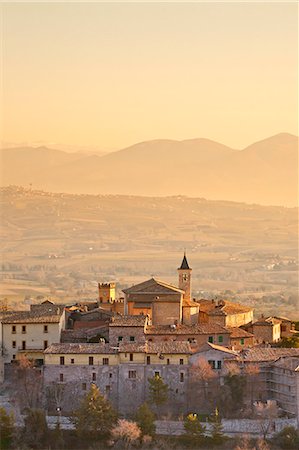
[[222, 307], [128, 321], [260, 354], [153, 286], [32, 317], [219, 348]]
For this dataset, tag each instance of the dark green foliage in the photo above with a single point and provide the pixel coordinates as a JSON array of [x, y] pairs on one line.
[[290, 342], [236, 385], [95, 416], [145, 419], [288, 438], [158, 391], [36, 429], [193, 427], [216, 431], [7, 427]]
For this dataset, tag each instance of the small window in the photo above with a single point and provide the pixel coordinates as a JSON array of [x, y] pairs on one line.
[[107, 389], [14, 344], [181, 361], [45, 344], [62, 360], [105, 361], [61, 377], [131, 357], [84, 386], [220, 338], [132, 373], [120, 338], [242, 341], [212, 363], [45, 328], [23, 329], [90, 360], [283, 328], [168, 361], [219, 365], [13, 329], [157, 374], [94, 376], [148, 360], [23, 345], [110, 375], [132, 338], [72, 361], [182, 377], [13, 356], [210, 339]]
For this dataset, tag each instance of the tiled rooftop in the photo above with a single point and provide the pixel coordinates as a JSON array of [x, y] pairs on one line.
[[84, 348], [153, 286], [169, 347], [222, 307], [260, 354], [204, 328], [32, 317], [239, 333], [128, 321]]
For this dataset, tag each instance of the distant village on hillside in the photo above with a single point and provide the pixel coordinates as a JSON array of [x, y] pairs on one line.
[[154, 330]]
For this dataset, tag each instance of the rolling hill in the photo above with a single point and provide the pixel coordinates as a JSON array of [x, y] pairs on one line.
[[265, 172]]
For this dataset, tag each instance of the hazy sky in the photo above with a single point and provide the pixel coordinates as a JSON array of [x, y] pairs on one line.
[[113, 74]]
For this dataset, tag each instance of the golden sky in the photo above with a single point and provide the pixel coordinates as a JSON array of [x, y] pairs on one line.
[[113, 74]]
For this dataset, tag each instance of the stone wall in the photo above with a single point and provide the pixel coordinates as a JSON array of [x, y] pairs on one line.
[[126, 333]]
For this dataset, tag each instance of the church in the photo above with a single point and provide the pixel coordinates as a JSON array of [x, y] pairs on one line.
[[164, 303]]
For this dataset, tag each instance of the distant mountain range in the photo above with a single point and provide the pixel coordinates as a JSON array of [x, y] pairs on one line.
[[266, 172]]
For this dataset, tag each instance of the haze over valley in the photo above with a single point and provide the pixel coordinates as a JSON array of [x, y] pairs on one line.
[[265, 172]]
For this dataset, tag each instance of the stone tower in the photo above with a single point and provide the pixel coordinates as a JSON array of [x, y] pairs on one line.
[[185, 278], [106, 292]]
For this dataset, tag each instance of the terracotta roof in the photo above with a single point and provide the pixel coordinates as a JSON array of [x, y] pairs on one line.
[[260, 354], [169, 347], [267, 321], [153, 286], [239, 333], [84, 348], [204, 328], [222, 307], [187, 302], [128, 321], [32, 317], [184, 265], [208, 346]]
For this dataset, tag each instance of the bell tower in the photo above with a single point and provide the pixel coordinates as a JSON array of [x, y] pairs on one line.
[[185, 278]]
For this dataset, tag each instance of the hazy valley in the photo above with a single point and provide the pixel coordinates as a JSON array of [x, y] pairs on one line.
[[62, 244], [265, 172]]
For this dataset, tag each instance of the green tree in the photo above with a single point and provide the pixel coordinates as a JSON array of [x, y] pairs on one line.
[[36, 429], [145, 419], [7, 427], [235, 382], [216, 431], [288, 438], [193, 427], [158, 391], [95, 416]]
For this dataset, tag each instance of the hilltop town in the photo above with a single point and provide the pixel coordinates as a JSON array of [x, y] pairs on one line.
[[153, 330]]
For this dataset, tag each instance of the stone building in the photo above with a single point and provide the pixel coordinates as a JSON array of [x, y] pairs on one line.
[[224, 312], [29, 333], [196, 335], [120, 372], [127, 329], [161, 301], [240, 338], [216, 355], [283, 384], [265, 330]]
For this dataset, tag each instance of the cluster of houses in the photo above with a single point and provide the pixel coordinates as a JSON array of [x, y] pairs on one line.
[[155, 329]]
